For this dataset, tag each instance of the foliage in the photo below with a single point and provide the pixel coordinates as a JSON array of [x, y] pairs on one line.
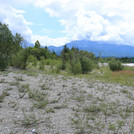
[[37, 44], [87, 65], [64, 56], [35, 52], [32, 60], [30, 56], [121, 59], [126, 59], [87, 54], [68, 68], [115, 65], [42, 63], [76, 68], [9, 45], [82, 58], [4, 59], [20, 59], [54, 65]]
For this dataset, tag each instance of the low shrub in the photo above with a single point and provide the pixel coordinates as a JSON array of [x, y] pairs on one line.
[[76, 68], [68, 68], [32, 60], [115, 65], [87, 65], [20, 60], [42, 63]]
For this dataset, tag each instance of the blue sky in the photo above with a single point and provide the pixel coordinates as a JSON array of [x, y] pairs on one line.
[[56, 22], [43, 24]]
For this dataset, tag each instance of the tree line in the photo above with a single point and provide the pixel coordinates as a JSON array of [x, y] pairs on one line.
[[15, 52]]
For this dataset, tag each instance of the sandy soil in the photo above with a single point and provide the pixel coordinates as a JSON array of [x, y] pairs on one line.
[[54, 104]]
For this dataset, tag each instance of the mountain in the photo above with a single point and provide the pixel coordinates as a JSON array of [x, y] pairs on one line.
[[105, 49], [56, 49], [26, 44]]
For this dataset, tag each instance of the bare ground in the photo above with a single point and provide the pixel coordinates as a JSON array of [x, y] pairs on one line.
[[55, 104]]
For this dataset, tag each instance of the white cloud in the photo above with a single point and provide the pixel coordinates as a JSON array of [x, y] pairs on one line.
[[46, 41], [16, 3], [110, 20], [16, 21]]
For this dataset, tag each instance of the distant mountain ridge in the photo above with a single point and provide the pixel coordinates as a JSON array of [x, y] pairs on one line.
[[105, 49]]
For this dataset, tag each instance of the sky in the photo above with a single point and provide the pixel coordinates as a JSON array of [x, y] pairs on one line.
[[56, 22]]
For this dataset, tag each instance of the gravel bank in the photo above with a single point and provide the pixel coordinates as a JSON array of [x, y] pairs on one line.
[[49, 104]]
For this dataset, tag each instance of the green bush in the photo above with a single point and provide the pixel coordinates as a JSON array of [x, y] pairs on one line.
[[20, 60], [52, 62], [3, 62], [47, 61], [32, 60], [68, 68], [87, 65], [58, 66], [42, 63], [57, 69], [76, 68], [115, 65]]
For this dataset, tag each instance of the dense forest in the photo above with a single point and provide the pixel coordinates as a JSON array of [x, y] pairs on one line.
[[15, 52]]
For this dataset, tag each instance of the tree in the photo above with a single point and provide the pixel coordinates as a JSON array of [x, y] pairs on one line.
[[9, 45], [21, 58], [35, 52], [37, 44], [87, 54], [65, 56], [17, 42], [87, 65], [65, 49]]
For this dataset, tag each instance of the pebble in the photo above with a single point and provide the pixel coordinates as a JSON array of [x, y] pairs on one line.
[[34, 131]]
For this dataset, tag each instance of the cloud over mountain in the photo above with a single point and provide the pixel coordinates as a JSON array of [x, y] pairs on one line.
[[96, 20], [107, 20], [46, 41]]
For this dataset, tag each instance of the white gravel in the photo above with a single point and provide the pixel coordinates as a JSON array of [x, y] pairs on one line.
[[66, 97]]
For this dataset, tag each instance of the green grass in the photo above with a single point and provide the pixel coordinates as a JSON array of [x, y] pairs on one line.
[[44, 87], [112, 127], [62, 106], [92, 108], [23, 88], [19, 78], [104, 74], [15, 83], [40, 100], [28, 120], [51, 110], [3, 95]]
